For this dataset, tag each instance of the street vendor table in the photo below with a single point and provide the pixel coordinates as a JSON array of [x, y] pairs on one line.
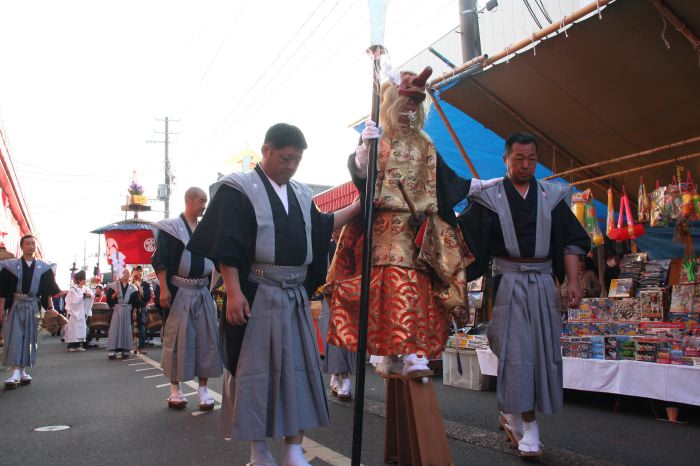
[[664, 382]]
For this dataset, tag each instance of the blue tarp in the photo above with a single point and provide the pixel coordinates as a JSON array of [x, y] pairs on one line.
[[485, 149]]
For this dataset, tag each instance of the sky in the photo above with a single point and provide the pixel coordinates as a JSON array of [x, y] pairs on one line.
[[82, 84]]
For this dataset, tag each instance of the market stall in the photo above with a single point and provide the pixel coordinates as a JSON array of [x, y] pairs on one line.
[[605, 133]]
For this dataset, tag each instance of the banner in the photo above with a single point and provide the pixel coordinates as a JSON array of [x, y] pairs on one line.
[[129, 247]]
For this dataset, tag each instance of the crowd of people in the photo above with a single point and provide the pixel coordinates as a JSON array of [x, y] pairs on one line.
[[263, 239]]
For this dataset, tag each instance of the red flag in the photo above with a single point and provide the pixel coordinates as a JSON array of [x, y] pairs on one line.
[[136, 245]]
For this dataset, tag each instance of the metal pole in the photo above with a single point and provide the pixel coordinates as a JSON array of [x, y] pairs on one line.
[[376, 51], [167, 173]]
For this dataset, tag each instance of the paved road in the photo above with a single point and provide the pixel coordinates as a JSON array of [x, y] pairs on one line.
[[117, 414]]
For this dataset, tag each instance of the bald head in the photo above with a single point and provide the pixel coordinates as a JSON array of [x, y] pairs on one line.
[[195, 202], [194, 192]]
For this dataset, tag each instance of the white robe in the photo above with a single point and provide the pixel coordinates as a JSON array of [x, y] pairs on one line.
[[77, 310]]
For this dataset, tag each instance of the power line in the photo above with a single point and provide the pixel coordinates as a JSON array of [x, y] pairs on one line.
[[261, 76], [292, 73], [257, 96], [218, 50], [544, 11], [532, 13]]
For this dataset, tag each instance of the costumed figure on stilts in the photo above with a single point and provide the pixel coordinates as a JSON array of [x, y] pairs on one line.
[[525, 231], [418, 257], [190, 337], [124, 297], [26, 284], [78, 308], [270, 243]]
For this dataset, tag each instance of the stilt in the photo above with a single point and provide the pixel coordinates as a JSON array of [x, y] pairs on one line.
[[413, 429]]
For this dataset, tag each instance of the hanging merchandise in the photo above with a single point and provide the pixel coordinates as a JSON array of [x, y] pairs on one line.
[[610, 221], [584, 210], [672, 201], [657, 216], [688, 193], [642, 202], [632, 230]]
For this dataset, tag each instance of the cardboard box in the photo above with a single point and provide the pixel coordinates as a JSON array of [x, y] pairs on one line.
[[471, 377]]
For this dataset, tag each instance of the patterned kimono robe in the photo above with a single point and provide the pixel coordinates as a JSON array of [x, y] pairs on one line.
[[414, 289]]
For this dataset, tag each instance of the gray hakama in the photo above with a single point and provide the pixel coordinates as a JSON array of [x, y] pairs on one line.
[[526, 322], [278, 387], [121, 332], [190, 337], [19, 329], [338, 360]]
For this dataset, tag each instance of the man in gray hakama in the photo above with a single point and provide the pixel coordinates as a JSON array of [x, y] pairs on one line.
[[528, 229], [190, 338], [26, 283], [124, 296], [270, 243], [339, 362]]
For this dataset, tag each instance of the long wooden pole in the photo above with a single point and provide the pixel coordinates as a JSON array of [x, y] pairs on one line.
[[624, 157], [448, 125], [636, 169], [358, 417]]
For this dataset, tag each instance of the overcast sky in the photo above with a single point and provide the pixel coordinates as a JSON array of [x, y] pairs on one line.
[[82, 82]]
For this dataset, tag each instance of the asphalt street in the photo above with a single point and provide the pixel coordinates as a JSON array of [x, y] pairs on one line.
[[116, 414]]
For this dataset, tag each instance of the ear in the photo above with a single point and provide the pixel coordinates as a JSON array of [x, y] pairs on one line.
[[265, 149]]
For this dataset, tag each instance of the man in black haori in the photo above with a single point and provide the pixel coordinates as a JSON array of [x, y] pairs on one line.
[[190, 338], [526, 226], [26, 285], [270, 243]]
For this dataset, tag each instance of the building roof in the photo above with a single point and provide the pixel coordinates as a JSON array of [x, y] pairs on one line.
[[336, 198], [607, 88]]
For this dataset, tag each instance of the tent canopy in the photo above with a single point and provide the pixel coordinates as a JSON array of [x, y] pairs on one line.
[[611, 88]]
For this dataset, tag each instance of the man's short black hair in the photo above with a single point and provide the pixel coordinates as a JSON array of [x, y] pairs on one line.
[[79, 276], [282, 135], [520, 138], [137, 267], [21, 241]]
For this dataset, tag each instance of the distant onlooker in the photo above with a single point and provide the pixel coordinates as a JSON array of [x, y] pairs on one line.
[[78, 307]]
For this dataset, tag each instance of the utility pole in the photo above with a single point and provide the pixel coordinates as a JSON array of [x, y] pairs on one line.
[[164, 190], [469, 27]]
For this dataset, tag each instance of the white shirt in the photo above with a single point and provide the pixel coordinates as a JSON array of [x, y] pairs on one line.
[[281, 192]]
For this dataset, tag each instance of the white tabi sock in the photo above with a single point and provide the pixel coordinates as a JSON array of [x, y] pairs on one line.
[[24, 372], [203, 394], [294, 455], [175, 389], [531, 437], [260, 453], [347, 385], [15, 374]]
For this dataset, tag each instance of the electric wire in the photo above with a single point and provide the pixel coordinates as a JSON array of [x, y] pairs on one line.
[[532, 13], [268, 95], [544, 11], [259, 79]]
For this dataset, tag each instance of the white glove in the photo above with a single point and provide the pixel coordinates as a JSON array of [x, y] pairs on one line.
[[478, 185], [361, 155]]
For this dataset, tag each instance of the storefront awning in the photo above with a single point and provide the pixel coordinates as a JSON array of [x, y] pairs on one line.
[[607, 88]]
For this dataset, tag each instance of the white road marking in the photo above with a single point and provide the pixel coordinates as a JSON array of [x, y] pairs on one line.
[[148, 369], [189, 394], [316, 450], [138, 364], [312, 449], [156, 375]]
